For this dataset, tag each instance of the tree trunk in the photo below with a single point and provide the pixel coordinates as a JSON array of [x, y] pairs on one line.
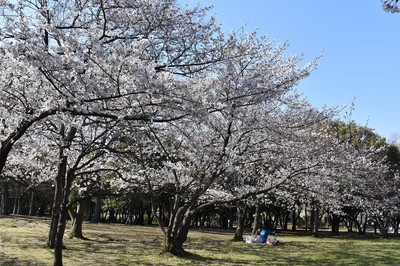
[[285, 220], [149, 217], [230, 218], [31, 204], [364, 229], [350, 226], [111, 217], [295, 218], [316, 222], [177, 247], [58, 197], [361, 224], [241, 216], [178, 228], [306, 218], [58, 245], [312, 219], [97, 211], [335, 224], [15, 207], [383, 227], [77, 222], [5, 197], [396, 226], [257, 220], [19, 205]]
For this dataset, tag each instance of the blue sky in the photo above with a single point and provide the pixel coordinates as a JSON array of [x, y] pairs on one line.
[[360, 43]]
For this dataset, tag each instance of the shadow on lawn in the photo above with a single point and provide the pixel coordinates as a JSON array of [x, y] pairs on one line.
[[344, 235]]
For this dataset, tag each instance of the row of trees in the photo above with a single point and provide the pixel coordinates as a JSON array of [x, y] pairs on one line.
[[141, 96]]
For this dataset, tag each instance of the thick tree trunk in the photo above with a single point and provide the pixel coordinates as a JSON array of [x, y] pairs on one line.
[[77, 222], [178, 229], [383, 227], [241, 216], [224, 219], [177, 247], [361, 224], [5, 197], [335, 224]]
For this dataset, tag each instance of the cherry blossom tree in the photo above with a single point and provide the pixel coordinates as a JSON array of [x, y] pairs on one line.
[[86, 58], [160, 97], [110, 59], [240, 112], [391, 6]]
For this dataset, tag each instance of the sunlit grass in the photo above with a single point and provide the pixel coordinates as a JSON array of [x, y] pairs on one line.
[[22, 242]]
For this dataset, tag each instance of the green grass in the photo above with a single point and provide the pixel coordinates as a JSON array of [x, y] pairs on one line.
[[22, 242]]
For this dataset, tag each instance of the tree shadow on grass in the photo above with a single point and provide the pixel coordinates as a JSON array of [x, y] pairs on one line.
[[189, 258], [9, 261]]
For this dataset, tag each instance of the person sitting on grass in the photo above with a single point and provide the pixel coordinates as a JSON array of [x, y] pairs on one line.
[[264, 235]]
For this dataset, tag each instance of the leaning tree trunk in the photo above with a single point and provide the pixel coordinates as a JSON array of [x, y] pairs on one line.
[[56, 210], [58, 245], [241, 216], [77, 220], [181, 237]]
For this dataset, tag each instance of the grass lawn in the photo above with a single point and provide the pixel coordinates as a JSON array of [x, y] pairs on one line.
[[22, 242]]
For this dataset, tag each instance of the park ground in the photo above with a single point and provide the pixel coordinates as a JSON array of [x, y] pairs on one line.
[[22, 242]]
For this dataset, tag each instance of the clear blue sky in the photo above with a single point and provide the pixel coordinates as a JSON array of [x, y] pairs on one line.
[[360, 43]]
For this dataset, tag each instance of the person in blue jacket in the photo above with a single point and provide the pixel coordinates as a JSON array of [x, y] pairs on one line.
[[264, 235]]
